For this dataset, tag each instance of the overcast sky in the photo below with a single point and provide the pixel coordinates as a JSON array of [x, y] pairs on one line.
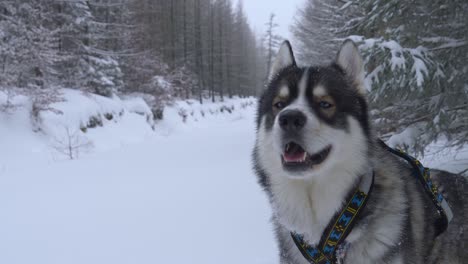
[[259, 12]]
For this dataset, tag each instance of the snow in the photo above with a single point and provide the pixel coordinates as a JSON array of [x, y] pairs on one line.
[[365, 43], [188, 196], [405, 138], [161, 81], [449, 159], [346, 5], [177, 191], [445, 42], [120, 122], [373, 77], [138, 105], [397, 60], [77, 108], [16, 138], [436, 155], [419, 66], [454, 44]]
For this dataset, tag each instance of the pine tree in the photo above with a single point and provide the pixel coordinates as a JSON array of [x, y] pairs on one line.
[[87, 64], [28, 52], [414, 69], [415, 53], [320, 27], [109, 46], [104, 73], [272, 41]]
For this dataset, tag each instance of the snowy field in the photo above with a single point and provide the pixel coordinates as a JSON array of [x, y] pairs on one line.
[[184, 193], [181, 193]]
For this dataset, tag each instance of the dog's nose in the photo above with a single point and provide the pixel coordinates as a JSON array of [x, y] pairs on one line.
[[292, 120]]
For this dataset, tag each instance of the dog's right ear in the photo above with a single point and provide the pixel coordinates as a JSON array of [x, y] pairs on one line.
[[284, 59], [351, 62]]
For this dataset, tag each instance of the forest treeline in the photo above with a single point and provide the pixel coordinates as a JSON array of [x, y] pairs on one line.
[[169, 49], [416, 55]]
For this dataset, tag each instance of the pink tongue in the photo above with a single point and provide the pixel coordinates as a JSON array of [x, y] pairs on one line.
[[293, 157]]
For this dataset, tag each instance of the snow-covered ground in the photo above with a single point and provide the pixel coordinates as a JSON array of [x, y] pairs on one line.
[[453, 159], [183, 193], [177, 191], [436, 155]]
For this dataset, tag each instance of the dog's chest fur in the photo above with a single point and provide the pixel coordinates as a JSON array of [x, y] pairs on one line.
[[377, 236], [306, 207]]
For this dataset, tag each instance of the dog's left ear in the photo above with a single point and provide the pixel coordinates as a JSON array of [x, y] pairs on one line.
[[284, 58], [351, 62]]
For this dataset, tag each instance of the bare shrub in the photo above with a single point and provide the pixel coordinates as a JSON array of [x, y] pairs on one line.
[[8, 106], [42, 100], [72, 143], [183, 113]]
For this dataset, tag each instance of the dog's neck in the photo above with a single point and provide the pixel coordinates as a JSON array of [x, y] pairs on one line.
[[307, 206]]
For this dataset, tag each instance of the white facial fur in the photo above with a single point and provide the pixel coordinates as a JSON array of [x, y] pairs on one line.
[[319, 91], [284, 92], [305, 202]]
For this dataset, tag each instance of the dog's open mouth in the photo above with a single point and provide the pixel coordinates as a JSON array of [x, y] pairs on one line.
[[294, 156]]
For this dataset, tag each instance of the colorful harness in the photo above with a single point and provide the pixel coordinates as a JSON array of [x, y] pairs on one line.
[[332, 246], [423, 174], [339, 227]]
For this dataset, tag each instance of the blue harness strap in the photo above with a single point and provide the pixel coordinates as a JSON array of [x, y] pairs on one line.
[[333, 239], [339, 227], [424, 176]]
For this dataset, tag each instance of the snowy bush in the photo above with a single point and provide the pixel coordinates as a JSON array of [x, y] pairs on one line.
[[183, 114], [158, 113], [192, 110], [407, 89], [104, 75], [392, 67], [182, 82], [404, 88], [6, 101], [415, 54]]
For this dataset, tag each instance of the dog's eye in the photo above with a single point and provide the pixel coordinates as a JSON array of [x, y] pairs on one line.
[[325, 105], [280, 105]]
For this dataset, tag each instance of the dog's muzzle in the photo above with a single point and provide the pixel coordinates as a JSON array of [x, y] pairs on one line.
[[292, 121]]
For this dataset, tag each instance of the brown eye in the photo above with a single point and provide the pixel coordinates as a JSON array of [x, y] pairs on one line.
[[280, 105], [325, 105]]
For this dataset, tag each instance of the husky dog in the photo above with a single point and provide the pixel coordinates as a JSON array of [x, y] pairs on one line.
[[315, 141]]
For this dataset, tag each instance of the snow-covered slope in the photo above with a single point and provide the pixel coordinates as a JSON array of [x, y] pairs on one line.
[[183, 193], [180, 190], [91, 124]]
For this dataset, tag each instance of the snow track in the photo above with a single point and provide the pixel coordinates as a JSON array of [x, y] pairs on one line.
[[190, 197]]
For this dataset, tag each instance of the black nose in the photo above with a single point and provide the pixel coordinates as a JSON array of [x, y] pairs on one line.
[[292, 120]]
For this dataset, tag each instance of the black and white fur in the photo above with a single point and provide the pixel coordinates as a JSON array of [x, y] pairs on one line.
[[329, 111]]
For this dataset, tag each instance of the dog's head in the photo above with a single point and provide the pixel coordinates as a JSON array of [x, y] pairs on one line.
[[313, 119]]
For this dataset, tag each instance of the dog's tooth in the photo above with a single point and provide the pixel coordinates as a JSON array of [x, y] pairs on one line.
[[304, 157]]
